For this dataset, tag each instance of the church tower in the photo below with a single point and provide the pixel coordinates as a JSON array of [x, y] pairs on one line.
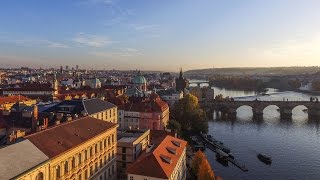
[[181, 83], [55, 84]]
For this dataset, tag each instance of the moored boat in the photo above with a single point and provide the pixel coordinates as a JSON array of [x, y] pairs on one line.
[[264, 158]]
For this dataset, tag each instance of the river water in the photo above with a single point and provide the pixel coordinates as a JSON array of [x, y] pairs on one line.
[[294, 145]]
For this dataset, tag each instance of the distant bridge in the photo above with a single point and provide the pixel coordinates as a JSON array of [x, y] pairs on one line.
[[229, 108]]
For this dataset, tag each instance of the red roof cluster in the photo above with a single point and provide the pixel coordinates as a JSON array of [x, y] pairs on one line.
[[161, 162], [145, 104]]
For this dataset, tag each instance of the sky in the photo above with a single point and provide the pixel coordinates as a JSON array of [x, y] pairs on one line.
[[161, 35]]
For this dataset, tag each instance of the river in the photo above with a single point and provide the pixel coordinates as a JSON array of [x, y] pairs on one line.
[[294, 145]]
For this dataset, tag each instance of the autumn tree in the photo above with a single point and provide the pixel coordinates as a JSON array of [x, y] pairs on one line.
[[201, 167], [189, 115], [196, 161], [205, 171]]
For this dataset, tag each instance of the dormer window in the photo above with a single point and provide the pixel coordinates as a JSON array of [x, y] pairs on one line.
[[176, 143], [166, 159], [171, 150]]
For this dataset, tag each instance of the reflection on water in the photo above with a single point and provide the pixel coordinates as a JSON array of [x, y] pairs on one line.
[[293, 144]]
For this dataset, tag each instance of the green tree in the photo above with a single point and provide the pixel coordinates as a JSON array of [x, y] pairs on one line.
[[189, 114], [174, 125]]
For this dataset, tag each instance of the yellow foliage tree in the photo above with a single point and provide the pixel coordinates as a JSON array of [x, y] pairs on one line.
[[205, 171], [201, 167], [196, 161]]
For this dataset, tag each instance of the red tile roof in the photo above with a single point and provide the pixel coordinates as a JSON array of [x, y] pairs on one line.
[[156, 164], [153, 104], [66, 136]]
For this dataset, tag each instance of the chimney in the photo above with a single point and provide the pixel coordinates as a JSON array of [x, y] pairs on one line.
[[149, 148]]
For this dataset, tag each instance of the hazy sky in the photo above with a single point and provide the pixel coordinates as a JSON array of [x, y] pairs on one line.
[[159, 34]]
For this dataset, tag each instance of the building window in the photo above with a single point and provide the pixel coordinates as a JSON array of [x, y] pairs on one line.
[[123, 157], [131, 177], [96, 166], [123, 149], [124, 164], [105, 159], [86, 174], [58, 173], [105, 175], [91, 170], [79, 158], [66, 167], [39, 176], [96, 148], [105, 143], [101, 145], [109, 141], [85, 155], [112, 138], [91, 153], [73, 163], [101, 163], [112, 154]]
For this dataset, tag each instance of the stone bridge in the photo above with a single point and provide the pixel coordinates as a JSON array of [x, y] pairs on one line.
[[229, 108]]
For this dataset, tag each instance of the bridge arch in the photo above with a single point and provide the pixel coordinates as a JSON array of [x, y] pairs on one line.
[[244, 112], [300, 114], [273, 107], [271, 113]]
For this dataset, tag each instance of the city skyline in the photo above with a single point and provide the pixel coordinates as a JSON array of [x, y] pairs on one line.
[[154, 35]]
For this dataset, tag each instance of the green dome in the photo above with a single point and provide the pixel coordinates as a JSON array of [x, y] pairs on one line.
[[139, 80]]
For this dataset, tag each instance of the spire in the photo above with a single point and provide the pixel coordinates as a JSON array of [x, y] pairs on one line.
[[180, 76]]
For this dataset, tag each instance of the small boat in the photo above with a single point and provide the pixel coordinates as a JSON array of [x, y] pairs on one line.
[[265, 94], [264, 158], [231, 156], [221, 155]]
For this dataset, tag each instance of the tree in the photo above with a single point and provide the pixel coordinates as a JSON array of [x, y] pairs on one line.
[[201, 167], [295, 84], [189, 114], [205, 171], [196, 161], [174, 125]]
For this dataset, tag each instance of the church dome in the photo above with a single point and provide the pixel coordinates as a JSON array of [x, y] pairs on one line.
[[139, 80]]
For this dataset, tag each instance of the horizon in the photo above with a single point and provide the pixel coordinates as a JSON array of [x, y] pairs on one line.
[[159, 36]]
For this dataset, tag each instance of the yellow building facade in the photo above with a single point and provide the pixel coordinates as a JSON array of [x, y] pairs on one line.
[[110, 115], [79, 150]]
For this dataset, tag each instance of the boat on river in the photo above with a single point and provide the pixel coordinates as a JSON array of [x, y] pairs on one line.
[[215, 143], [264, 158]]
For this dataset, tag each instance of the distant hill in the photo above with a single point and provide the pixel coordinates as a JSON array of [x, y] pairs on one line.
[[256, 71]]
